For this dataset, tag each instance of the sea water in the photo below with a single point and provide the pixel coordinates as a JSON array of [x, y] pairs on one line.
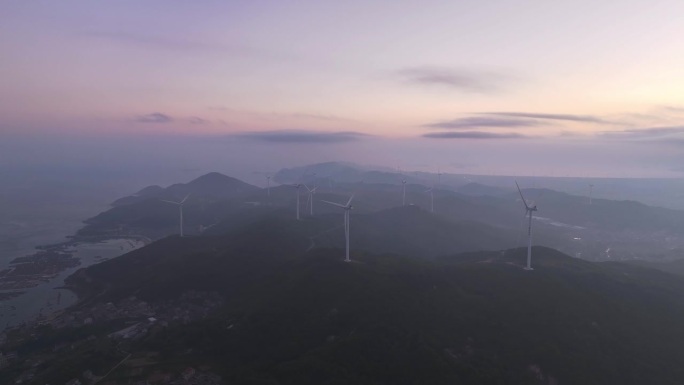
[[50, 296]]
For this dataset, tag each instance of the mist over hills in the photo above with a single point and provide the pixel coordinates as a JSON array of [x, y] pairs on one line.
[[259, 297], [598, 230], [662, 192], [211, 186]]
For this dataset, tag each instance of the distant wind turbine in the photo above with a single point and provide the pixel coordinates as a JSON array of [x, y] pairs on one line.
[[528, 210], [403, 198], [297, 186], [439, 177], [432, 198], [311, 191], [347, 208], [180, 207]]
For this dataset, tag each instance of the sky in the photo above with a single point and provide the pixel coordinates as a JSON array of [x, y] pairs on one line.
[[526, 87]]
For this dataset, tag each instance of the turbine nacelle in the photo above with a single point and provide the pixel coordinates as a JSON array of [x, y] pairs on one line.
[[311, 190], [178, 203], [347, 208], [180, 208]]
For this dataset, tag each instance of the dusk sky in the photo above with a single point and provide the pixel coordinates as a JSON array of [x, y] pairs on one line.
[[530, 87]]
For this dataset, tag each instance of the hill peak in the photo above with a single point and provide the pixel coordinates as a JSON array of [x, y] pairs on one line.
[[212, 177]]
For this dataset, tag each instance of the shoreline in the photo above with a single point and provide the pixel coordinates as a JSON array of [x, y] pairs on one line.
[[42, 294]]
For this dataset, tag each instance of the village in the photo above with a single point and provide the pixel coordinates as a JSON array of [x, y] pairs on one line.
[[33, 270], [135, 318]]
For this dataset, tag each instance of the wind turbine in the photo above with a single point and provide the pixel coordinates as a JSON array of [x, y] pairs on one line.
[[432, 198], [347, 208], [311, 191], [528, 211], [439, 177], [403, 198], [180, 207], [297, 186]]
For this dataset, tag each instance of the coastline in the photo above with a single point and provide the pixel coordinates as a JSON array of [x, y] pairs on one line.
[[44, 294]]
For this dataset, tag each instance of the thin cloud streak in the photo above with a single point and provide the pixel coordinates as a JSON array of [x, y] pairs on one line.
[[155, 117], [643, 133], [474, 135], [565, 117], [479, 122], [457, 79], [330, 118], [674, 109], [166, 43], [277, 115], [197, 120], [186, 46], [296, 136]]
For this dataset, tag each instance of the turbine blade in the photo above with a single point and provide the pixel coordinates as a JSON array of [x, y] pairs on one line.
[[175, 203], [335, 204], [350, 199], [186, 198], [521, 196], [307, 188]]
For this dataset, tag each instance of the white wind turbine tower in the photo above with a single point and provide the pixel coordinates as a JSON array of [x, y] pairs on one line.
[[180, 207], [432, 198], [528, 211], [347, 208], [297, 186], [311, 191], [439, 177], [403, 197]]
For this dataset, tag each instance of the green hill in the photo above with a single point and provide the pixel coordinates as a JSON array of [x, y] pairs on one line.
[[413, 231], [212, 197], [293, 316]]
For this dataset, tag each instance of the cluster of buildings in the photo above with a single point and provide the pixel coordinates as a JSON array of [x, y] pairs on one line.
[[32, 270], [191, 306], [137, 315]]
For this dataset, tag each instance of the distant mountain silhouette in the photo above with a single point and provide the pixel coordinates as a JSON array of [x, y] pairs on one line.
[[481, 189], [213, 185], [212, 196], [602, 230]]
